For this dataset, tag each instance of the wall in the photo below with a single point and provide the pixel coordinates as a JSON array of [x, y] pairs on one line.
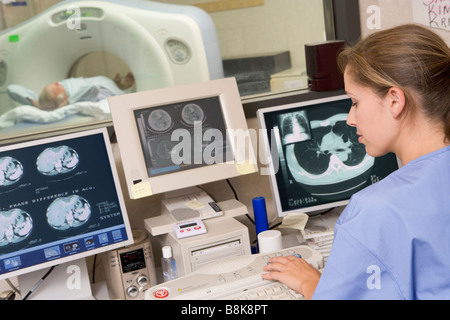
[[278, 25], [382, 14]]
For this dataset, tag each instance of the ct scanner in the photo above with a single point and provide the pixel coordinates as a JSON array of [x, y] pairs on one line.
[[162, 44]]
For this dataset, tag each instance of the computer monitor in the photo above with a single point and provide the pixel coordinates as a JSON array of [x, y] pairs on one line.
[[314, 158], [60, 201], [178, 137]]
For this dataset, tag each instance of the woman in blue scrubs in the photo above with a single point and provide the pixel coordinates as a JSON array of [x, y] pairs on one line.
[[393, 239]]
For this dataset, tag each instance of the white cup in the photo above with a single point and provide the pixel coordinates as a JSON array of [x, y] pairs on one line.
[[270, 241]]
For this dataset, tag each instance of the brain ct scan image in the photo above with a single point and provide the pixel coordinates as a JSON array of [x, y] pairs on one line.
[[156, 127], [11, 171], [15, 226], [192, 113], [159, 121], [58, 160], [68, 212]]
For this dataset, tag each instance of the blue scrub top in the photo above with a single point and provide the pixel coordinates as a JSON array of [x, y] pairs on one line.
[[393, 239]]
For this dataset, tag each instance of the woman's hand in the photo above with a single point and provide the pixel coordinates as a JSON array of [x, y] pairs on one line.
[[294, 272]]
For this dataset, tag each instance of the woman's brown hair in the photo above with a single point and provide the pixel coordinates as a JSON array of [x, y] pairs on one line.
[[410, 57]]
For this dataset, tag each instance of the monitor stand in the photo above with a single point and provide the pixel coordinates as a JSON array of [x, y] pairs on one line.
[[69, 281]]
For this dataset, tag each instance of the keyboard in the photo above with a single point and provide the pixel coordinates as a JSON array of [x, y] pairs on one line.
[[271, 291], [233, 278]]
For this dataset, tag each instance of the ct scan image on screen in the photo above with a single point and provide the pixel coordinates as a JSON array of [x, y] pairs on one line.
[[58, 199], [320, 158], [182, 136]]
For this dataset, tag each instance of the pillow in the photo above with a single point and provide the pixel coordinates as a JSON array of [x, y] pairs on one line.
[[21, 94]]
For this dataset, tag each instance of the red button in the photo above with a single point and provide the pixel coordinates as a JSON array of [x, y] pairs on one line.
[[161, 293]]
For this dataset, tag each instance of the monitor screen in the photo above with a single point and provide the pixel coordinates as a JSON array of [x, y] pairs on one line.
[[157, 127], [60, 200], [316, 161], [179, 137]]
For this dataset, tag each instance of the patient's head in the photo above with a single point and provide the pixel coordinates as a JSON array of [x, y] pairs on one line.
[[53, 96]]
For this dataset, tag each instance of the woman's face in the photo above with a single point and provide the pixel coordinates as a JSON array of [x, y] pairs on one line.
[[371, 117]]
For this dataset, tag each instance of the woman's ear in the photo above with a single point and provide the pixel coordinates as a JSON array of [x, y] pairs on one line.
[[397, 101]]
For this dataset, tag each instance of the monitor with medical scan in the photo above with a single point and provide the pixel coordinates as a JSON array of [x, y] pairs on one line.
[[61, 201], [180, 137], [314, 159]]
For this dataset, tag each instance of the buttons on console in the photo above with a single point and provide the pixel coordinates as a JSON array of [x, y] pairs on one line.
[[132, 292], [142, 280]]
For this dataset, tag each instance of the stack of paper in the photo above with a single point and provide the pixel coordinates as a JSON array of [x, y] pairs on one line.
[[319, 232]]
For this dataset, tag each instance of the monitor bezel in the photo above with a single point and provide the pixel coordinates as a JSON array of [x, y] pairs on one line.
[[120, 198], [135, 169], [269, 160]]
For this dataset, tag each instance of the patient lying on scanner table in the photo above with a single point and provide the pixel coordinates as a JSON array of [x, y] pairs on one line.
[[72, 90], [85, 97], [75, 89]]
